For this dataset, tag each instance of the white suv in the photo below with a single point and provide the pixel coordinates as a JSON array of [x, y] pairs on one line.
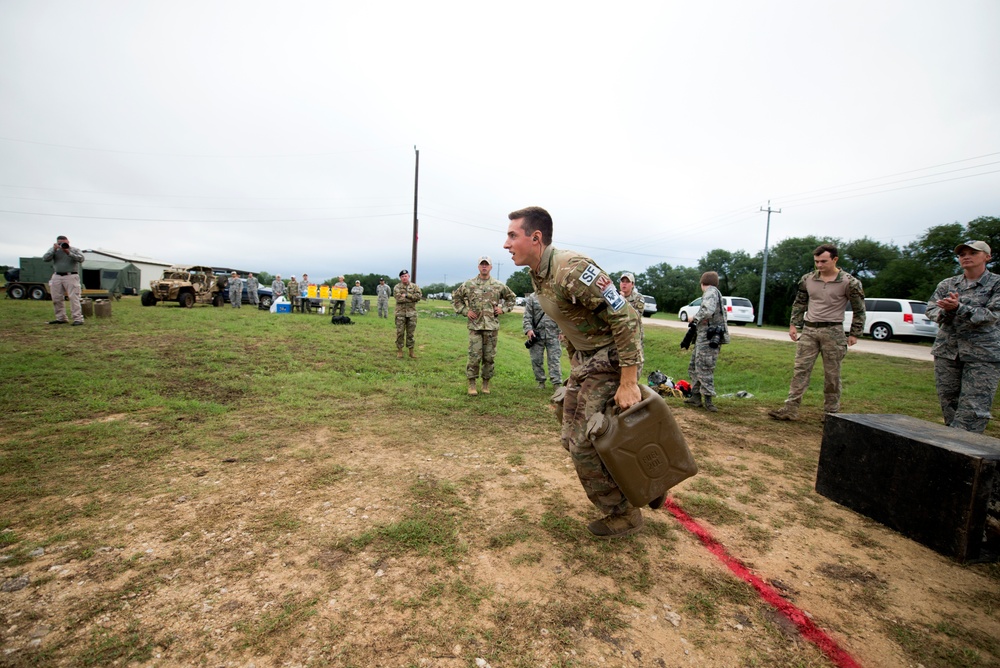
[[739, 311], [886, 318]]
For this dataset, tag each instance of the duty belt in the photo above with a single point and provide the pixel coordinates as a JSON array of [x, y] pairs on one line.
[[65, 273], [822, 324]]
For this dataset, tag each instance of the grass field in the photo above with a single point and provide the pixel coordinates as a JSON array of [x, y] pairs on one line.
[[224, 486]]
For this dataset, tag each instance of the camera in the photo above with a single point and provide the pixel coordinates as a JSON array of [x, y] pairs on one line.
[[690, 336], [714, 335], [532, 341], [64, 246]]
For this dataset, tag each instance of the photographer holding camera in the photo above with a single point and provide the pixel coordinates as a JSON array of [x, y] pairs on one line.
[[710, 324], [543, 339], [65, 281]]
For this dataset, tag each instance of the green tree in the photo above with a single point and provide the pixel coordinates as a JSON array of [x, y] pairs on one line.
[[786, 264], [672, 287], [520, 282], [986, 228], [865, 257]]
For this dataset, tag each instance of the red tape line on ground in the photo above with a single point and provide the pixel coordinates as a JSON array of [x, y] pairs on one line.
[[806, 627]]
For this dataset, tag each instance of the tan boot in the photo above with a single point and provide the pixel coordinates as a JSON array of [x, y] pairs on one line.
[[785, 413], [615, 526], [413, 355], [399, 353], [472, 387], [486, 386]]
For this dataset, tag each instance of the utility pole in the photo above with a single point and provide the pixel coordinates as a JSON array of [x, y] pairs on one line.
[[763, 274], [416, 182]]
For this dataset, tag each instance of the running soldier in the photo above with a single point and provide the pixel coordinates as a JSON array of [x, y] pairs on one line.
[[602, 337], [544, 331], [383, 291], [407, 296], [482, 299]]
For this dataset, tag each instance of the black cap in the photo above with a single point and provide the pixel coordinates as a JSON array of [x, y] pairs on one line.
[[405, 271]]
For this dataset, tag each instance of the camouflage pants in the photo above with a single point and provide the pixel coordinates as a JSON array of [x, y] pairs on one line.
[[338, 305], [406, 325], [236, 297], [383, 307], [482, 350], [701, 369], [548, 348], [831, 343], [357, 305], [593, 381], [966, 391], [254, 298]]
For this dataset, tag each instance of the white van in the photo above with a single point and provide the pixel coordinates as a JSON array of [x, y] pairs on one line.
[[886, 318], [739, 311]]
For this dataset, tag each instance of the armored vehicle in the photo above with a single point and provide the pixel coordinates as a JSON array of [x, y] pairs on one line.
[[185, 285]]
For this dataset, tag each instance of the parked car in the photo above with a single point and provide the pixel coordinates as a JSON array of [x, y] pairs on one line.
[[886, 318], [739, 311], [650, 307], [519, 301]]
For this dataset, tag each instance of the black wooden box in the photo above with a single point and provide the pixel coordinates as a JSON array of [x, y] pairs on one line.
[[936, 485]]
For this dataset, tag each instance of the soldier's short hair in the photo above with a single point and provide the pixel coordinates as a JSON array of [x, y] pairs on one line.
[[536, 219], [710, 278], [826, 248]]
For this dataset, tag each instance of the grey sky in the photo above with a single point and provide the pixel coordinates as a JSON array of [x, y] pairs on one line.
[[279, 136]]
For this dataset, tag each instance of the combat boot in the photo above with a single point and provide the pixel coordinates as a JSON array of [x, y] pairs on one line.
[[399, 353], [486, 386], [615, 526], [472, 387], [784, 413], [709, 406], [413, 354], [694, 400]]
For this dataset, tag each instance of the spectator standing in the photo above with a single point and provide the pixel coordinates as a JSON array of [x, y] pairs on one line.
[[357, 306], [294, 292], [277, 288], [967, 348], [383, 291], [710, 318], [252, 286], [818, 310], [544, 331], [337, 305], [407, 297], [627, 286], [482, 299], [235, 290], [65, 281], [602, 337]]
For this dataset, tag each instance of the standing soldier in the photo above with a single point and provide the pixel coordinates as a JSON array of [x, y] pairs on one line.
[[543, 333], [383, 291], [356, 304], [602, 337], [65, 281], [711, 315], [294, 293], [252, 286], [482, 299], [407, 295], [818, 310], [235, 290], [337, 305], [627, 285], [304, 292], [277, 288]]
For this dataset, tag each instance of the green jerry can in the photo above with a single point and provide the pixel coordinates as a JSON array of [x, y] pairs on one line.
[[642, 447]]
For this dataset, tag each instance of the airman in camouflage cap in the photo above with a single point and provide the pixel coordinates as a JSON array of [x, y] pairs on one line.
[[482, 299]]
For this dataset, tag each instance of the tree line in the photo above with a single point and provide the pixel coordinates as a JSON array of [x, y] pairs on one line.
[[886, 270]]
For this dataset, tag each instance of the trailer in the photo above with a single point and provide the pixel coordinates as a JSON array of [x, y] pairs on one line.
[[98, 280]]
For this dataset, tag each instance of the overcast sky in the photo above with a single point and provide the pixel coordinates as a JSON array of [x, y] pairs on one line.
[[279, 136]]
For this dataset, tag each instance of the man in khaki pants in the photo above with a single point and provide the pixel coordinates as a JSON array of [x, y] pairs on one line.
[[65, 281]]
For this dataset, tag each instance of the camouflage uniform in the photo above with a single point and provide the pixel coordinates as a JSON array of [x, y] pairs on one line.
[[482, 296], [406, 296], [967, 350], [277, 289], [383, 291], [357, 306], [824, 338], [602, 334], [639, 304], [235, 291], [294, 292], [338, 304], [252, 286], [547, 332], [701, 369]]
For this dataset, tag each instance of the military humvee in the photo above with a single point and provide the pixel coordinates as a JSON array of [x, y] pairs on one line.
[[185, 285]]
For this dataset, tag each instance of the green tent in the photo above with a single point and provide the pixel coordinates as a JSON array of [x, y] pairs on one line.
[[115, 277]]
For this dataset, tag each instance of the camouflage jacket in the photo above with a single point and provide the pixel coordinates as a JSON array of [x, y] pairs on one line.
[[277, 288], [357, 291], [383, 291], [970, 332], [406, 297], [711, 313], [252, 284], [293, 289], [482, 297], [583, 301], [235, 286], [836, 293], [535, 319]]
